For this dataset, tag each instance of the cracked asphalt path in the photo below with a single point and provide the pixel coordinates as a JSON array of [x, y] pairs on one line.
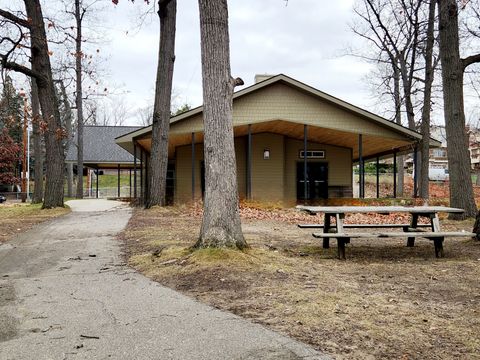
[[66, 294]]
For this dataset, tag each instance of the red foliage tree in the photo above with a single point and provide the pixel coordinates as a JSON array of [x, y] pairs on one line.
[[9, 156]]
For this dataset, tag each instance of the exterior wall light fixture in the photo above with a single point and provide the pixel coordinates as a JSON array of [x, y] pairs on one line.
[[266, 154]]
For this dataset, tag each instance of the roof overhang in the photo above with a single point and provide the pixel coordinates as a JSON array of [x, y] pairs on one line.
[[372, 146], [402, 139]]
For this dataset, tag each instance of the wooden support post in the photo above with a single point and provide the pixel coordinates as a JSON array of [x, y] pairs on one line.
[[395, 174], [193, 166], [378, 177], [361, 179], [141, 174], [305, 186], [98, 175], [249, 163], [118, 180], [134, 170], [415, 173], [130, 181], [146, 195]]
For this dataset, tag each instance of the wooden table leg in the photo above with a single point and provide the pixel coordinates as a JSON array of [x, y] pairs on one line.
[[413, 224], [326, 228], [435, 222], [438, 242], [341, 248]]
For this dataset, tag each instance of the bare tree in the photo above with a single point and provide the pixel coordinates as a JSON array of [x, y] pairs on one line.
[[427, 99], [41, 70], [66, 114], [113, 111], [221, 225], [453, 68], [79, 14], [145, 115], [157, 180], [397, 29], [37, 197]]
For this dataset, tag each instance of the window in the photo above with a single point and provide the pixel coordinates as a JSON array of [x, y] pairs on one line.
[[439, 153], [312, 154]]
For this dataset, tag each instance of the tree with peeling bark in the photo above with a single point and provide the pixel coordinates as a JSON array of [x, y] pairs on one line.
[[37, 196], [157, 172], [41, 70], [221, 225], [453, 68]]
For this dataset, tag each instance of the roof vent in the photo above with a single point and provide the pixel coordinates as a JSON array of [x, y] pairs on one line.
[[262, 77]]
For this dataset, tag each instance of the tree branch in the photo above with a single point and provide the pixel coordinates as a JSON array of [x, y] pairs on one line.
[[9, 16], [10, 65], [470, 60]]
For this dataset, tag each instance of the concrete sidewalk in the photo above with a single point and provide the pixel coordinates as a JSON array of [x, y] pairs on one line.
[[66, 294]]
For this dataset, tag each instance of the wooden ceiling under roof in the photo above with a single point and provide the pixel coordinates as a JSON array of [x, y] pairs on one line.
[[372, 146], [282, 105]]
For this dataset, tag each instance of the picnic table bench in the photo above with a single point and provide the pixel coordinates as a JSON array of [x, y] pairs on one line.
[[339, 229]]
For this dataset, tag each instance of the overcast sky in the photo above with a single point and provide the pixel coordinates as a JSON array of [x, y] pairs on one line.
[[304, 40]]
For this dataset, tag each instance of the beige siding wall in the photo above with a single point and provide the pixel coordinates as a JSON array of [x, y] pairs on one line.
[[183, 170], [281, 102], [273, 179], [183, 173], [339, 165], [268, 175]]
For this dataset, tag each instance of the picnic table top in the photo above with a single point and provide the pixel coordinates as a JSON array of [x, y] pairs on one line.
[[378, 209]]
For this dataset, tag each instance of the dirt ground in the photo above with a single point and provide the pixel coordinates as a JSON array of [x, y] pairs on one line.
[[17, 217], [386, 301]]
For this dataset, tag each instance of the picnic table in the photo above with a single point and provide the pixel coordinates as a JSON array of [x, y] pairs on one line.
[[412, 230]]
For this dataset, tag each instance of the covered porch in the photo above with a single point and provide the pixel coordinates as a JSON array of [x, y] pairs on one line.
[[293, 143]]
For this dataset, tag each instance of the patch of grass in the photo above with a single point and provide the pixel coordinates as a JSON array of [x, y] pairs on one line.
[[17, 218], [385, 301], [10, 210]]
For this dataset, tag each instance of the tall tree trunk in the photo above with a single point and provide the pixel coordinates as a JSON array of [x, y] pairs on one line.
[[54, 134], [67, 121], [398, 120], [167, 11], [37, 197], [427, 97], [461, 189], [79, 98], [221, 225]]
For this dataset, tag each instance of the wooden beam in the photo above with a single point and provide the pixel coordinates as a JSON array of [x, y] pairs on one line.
[[134, 169], [361, 167], [305, 142], [193, 166], [249, 162], [118, 180], [394, 173]]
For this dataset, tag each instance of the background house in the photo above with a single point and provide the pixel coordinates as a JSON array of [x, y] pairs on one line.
[[101, 153]]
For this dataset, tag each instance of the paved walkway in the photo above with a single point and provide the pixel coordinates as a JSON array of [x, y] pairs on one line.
[[66, 294]]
